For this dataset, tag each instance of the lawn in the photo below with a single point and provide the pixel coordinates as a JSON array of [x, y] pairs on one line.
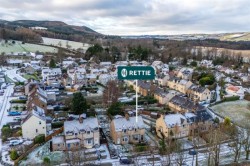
[[237, 111], [29, 76], [27, 47], [63, 43]]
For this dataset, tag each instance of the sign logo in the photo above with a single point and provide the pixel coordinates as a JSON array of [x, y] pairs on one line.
[[136, 73], [124, 73]]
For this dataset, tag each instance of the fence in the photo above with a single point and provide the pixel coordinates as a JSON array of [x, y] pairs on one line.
[[47, 138]]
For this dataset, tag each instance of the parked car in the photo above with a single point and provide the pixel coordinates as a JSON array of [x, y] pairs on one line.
[[125, 160], [15, 142], [22, 98], [13, 113], [192, 152], [17, 118]]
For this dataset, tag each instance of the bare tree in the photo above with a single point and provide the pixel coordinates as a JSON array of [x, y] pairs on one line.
[[111, 92], [180, 155], [246, 143]]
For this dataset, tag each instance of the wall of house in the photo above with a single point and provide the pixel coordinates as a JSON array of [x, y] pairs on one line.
[[58, 147], [33, 127], [161, 128], [118, 136], [83, 136]]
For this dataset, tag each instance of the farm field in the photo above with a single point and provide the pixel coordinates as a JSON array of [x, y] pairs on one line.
[[63, 43], [27, 47], [236, 37], [237, 111]]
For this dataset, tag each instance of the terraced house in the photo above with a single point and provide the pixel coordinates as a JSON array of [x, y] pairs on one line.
[[77, 134], [126, 130], [179, 84], [181, 104], [198, 93]]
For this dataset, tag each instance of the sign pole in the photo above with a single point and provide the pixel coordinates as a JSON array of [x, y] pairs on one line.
[[136, 102]]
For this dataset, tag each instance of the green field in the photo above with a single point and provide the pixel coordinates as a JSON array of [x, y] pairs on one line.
[[63, 43], [238, 111], [29, 76], [27, 47]]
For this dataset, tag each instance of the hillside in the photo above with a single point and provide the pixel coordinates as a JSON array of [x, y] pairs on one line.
[[52, 26], [244, 36]]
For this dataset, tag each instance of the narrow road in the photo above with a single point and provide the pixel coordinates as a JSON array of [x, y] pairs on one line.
[[4, 107]]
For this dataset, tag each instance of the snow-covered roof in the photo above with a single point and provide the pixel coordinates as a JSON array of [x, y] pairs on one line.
[[75, 126], [58, 140], [174, 119], [123, 123]]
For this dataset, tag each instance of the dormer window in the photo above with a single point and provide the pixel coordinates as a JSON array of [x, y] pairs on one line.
[[124, 130]]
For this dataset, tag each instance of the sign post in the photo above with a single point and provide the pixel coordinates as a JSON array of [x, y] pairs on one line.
[[136, 73]]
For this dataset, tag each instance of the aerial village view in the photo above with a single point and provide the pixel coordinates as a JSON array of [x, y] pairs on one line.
[[111, 83]]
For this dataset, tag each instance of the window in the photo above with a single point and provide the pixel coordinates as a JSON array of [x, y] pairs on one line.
[[89, 141], [124, 130], [75, 134], [58, 145], [36, 130], [88, 132], [68, 145], [40, 122], [136, 137], [125, 139]]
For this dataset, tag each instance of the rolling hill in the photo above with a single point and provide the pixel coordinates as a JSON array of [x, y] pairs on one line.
[[52, 26]]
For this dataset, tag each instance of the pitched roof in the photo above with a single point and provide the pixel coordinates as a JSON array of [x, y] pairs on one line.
[[75, 126], [172, 120], [197, 88], [185, 103], [123, 123]]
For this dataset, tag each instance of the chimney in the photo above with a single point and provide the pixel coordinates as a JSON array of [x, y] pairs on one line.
[[81, 119], [127, 116]]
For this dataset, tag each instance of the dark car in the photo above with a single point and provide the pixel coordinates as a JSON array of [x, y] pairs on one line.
[[192, 152], [125, 160]]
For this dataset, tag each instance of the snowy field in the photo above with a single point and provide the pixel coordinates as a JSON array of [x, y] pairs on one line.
[[27, 47], [63, 43], [237, 111]]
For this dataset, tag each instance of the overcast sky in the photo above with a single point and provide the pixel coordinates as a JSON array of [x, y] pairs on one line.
[[137, 17]]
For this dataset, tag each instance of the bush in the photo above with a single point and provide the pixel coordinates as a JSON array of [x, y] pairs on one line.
[[233, 98], [39, 139], [46, 160], [13, 155], [6, 132], [18, 101], [56, 125]]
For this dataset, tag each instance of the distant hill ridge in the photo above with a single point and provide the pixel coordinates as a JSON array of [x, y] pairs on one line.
[[53, 26]]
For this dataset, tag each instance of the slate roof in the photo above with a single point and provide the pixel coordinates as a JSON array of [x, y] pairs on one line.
[[197, 88], [89, 124], [123, 123], [186, 103]]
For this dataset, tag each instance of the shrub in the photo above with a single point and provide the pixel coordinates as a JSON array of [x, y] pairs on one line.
[[46, 160], [18, 101], [39, 139], [13, 155], [233, 98], [56, 125]]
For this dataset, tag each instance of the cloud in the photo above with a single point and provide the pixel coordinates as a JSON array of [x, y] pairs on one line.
[[136, 17]]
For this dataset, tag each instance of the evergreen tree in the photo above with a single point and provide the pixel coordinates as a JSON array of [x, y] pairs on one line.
[[79, 104], [52, 63]]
